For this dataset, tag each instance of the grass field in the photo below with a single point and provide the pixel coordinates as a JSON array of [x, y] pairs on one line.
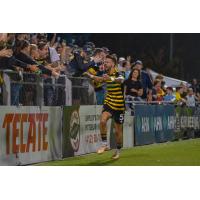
[[180, 153]]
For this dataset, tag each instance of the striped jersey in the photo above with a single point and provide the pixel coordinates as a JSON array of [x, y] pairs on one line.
[[94, 70], [114, 93]]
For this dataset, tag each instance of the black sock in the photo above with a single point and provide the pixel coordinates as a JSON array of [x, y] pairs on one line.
[[104, 138], [119, 146]]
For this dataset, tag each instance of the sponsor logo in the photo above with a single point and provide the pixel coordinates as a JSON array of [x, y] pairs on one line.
[[26, 132], [75, 130]]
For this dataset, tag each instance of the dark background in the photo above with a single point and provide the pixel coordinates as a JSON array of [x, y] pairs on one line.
[[154, 50]]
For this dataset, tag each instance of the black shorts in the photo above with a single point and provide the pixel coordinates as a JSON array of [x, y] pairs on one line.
[[117, 115]]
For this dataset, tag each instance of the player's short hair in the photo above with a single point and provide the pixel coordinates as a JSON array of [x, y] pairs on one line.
[[112, 58]]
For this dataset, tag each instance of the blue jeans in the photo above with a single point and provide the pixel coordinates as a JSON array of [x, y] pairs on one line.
[[49, 93], [100, 97], [15, 92]]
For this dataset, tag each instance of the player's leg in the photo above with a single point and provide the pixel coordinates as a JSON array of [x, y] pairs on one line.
[[119, 119], [105, 116]]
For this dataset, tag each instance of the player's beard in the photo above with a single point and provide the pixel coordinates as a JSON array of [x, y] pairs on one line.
[[107, 70]]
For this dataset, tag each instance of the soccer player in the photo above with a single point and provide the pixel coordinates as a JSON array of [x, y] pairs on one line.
[[114, 104]]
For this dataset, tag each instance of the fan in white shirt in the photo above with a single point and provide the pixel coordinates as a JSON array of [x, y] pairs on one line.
[[190, 98]]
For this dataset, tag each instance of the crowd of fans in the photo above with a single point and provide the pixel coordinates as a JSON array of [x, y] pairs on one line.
[[141, 86], [36, 53]]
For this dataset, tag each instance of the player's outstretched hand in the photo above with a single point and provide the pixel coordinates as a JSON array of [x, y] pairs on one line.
[[87, 74], [106, 77]]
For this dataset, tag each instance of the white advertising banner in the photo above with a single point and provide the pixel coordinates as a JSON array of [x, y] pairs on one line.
[[81, 131], [29, 134], [90, 137], [128, 131]]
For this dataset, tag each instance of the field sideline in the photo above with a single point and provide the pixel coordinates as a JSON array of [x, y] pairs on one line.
[[180, 153]]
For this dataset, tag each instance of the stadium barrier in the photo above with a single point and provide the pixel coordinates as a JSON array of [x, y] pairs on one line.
[[128, 130], [81, 133], [82, 91], [162, 123], [187, 122], [29, 89], [30, 134], [146, 124], [154, 123]]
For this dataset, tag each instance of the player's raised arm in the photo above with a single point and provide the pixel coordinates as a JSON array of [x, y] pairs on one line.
[[97, 79], [119, 79]]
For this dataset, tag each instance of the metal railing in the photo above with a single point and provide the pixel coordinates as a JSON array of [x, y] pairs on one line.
[[29, 89], [82, 91], [132, 100]]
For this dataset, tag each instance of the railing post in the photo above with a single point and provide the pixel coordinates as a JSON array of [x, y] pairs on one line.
[[6, 90], [68, 91], [39, 91]]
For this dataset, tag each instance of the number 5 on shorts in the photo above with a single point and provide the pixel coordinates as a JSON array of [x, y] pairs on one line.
[[121, 118]]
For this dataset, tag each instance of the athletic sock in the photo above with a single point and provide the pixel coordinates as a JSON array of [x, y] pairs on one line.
[[119, 146], [104, 143], [104, 140]]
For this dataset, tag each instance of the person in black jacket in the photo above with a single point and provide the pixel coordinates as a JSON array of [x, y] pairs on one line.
[[145, 79], [9, 62], [23, 54], [80, 64], [133, 85]]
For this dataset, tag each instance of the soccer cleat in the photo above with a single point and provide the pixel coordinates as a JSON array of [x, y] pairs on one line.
[[116, 155], [102, 149]]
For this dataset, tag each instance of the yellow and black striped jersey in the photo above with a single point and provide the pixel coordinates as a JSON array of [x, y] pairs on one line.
[[114, 93], [94, 70]]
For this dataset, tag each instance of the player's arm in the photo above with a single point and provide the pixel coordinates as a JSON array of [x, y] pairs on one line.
[[105, 78], [119, 79], [97, 79]]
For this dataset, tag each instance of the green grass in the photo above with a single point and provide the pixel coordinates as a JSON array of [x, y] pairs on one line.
[[180, 153]]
